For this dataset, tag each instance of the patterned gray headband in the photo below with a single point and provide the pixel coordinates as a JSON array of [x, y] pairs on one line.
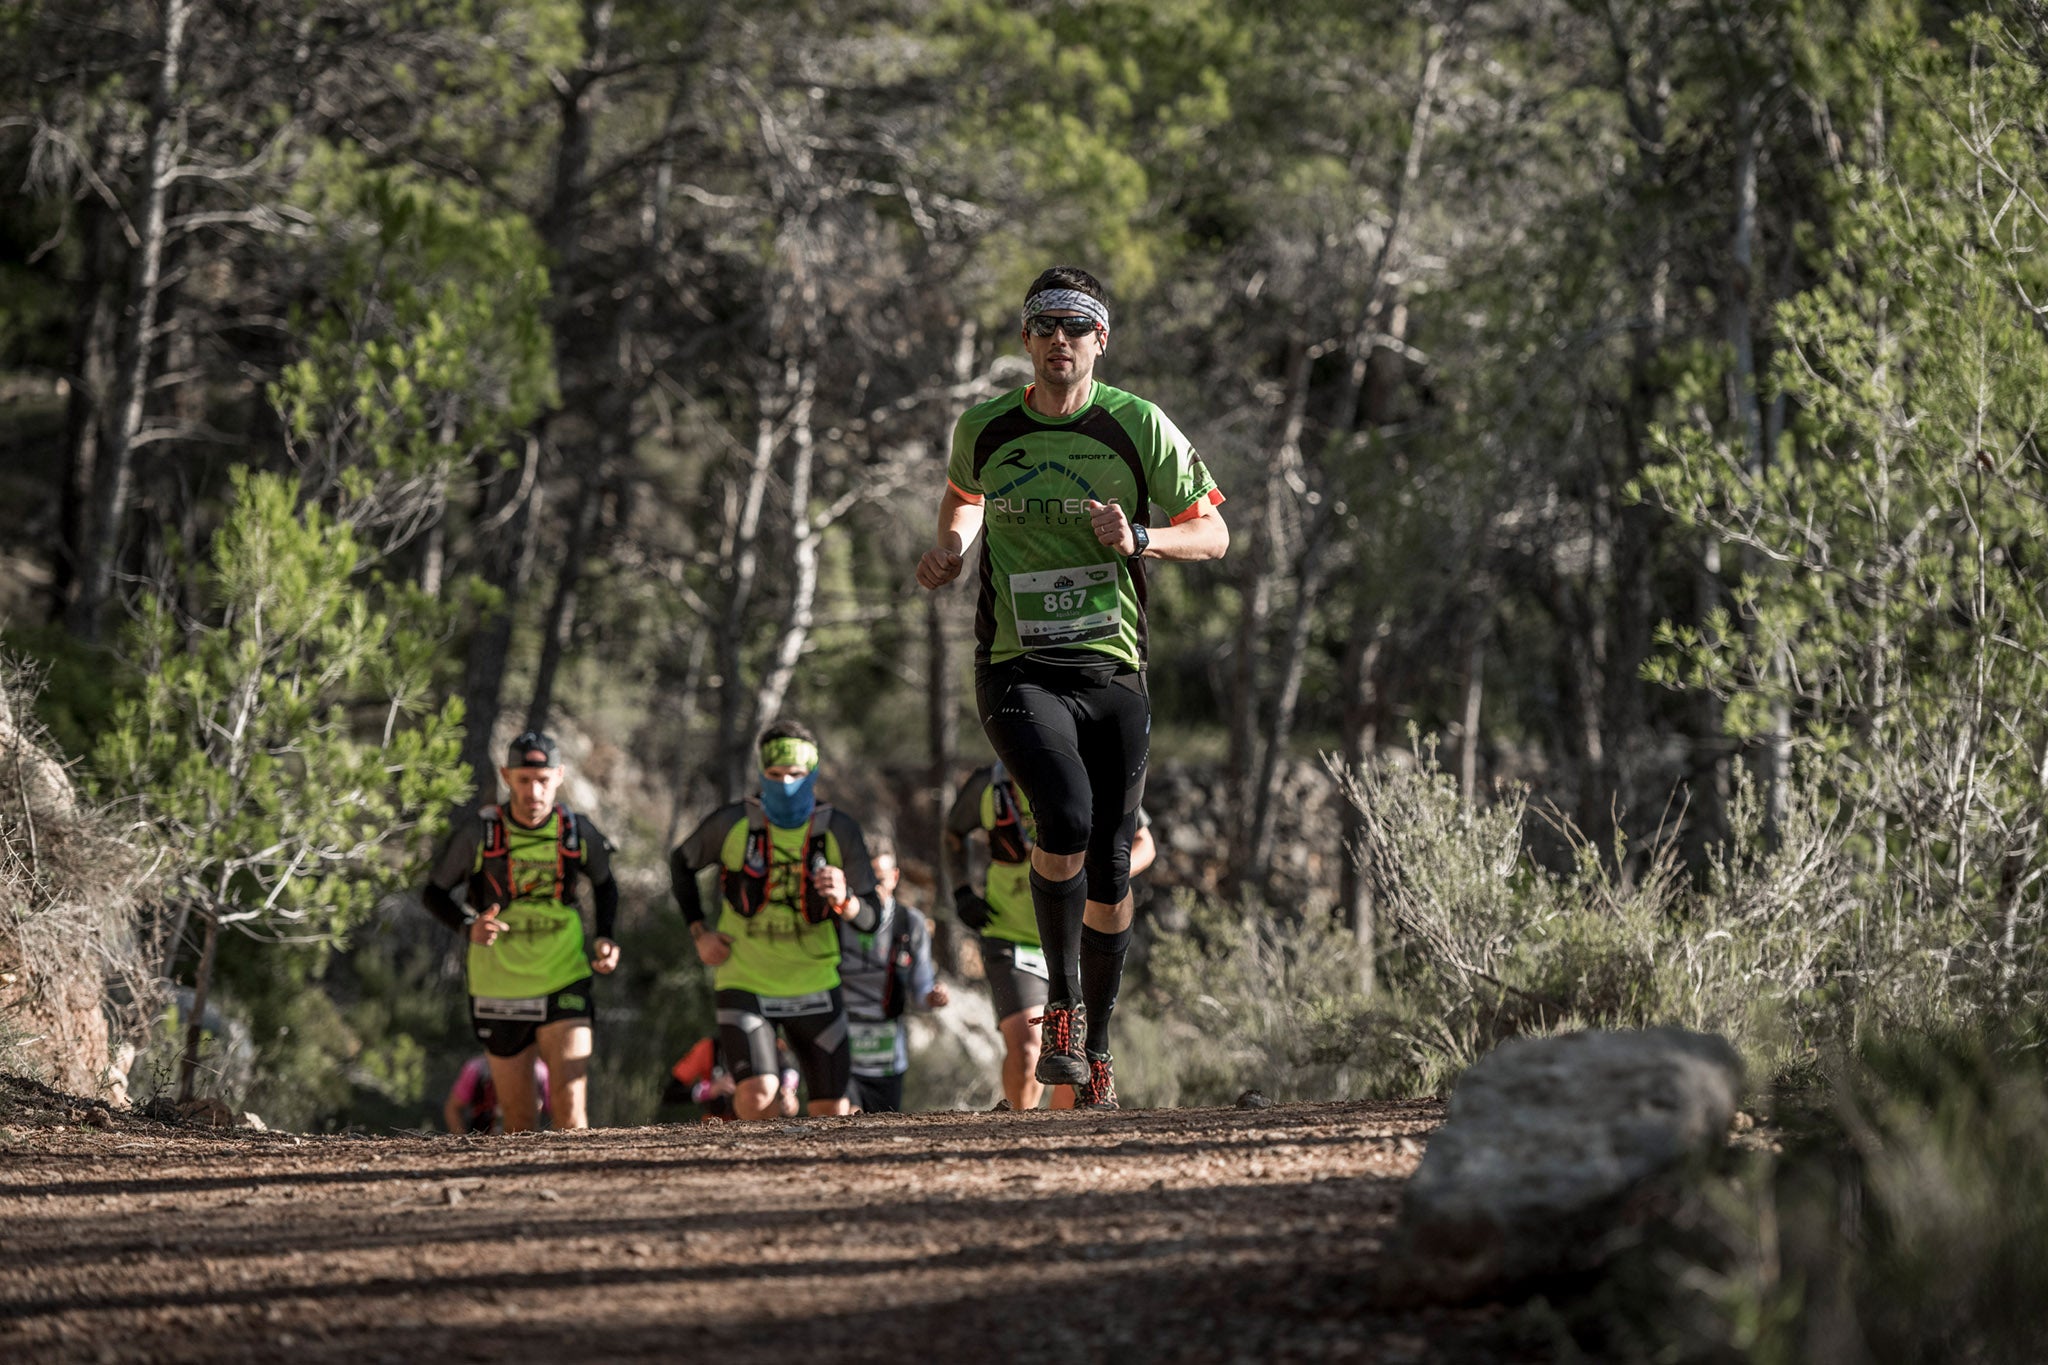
[[1045, 300]]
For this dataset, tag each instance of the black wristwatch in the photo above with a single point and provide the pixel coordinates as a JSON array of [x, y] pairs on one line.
[[1141, 537]]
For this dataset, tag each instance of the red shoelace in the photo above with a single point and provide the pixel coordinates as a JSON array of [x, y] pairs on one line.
[[1062, 1027]]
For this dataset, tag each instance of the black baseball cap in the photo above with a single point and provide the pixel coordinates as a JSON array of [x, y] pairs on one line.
[[534, 749]]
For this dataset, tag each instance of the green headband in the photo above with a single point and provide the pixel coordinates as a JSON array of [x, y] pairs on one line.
[[788, 750]]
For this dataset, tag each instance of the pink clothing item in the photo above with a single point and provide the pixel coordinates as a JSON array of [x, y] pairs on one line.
[[474, 1090]]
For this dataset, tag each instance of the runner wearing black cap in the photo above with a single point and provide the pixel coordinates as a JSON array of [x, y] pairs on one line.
[[529, 972]]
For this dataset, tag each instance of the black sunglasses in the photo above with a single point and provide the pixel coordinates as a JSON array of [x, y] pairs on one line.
[[1045, 324]]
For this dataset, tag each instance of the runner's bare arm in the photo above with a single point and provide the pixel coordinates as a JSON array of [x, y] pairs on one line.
[[1201, 536], [959, 523]]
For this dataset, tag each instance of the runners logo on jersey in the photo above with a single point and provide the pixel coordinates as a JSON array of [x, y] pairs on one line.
[[1014, 459], [1060, 509]]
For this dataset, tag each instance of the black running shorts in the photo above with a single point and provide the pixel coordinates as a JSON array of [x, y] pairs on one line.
[[1076, 738], [1014, 983], [507, 1028], [877, 1094], [813, 1025]]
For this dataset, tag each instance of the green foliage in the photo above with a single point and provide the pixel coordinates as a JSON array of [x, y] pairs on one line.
[[283, 749], [78, 684], [1892, 601], [1086, 117], [1479, 942], [1900, 1213], [430, 346], [1268, 1002]]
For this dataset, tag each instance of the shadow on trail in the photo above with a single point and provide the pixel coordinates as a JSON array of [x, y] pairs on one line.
[[1287, 1304], [258, 1235], [846, 1144], [972, 1257]]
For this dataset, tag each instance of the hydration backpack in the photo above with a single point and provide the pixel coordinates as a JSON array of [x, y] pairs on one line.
[[896, 985], [1007, 840], [746, 886], [493, 877]]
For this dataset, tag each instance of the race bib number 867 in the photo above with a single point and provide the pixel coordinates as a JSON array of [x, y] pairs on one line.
[[1066, 606]]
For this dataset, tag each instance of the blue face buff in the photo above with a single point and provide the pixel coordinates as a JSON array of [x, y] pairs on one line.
[[788, 800]]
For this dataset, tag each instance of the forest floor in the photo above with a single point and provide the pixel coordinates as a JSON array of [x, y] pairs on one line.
[[1151, 1235]]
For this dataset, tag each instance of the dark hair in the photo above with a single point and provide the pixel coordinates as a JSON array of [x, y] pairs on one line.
[[1067, 277], [788, 729]]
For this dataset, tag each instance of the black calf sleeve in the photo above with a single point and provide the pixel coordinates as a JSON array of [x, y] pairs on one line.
[[1102, 972], [1059, 906]]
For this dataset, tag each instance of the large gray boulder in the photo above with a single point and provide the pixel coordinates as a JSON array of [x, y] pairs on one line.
[[1558, 1151]]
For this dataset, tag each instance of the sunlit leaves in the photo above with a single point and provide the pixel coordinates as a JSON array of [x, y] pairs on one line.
[[284, 747], [1895, 599], [430, 344]]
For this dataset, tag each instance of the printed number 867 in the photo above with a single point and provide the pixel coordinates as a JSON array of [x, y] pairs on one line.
[[1065, 601]]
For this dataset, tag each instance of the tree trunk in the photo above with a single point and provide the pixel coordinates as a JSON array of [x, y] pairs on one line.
[[1314, 560], [1468, 738], [1360, 731], [941, 729], [112, 475], [202, 987], [804, 538], [1259, 584], [686, 717], [1744, 407], [741, 552], [942, 710], [561, 615], [87, 406], [507, 525], [434, 547]]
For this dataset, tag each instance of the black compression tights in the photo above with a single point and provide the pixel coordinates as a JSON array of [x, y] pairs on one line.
[[1102, 972], [1077, 743]]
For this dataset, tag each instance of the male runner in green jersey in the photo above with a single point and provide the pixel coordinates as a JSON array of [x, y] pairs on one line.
[[529, 976], [790, 869], [1063, 475]]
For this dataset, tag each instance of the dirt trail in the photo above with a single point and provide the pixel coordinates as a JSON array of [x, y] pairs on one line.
[[1166, 1235]]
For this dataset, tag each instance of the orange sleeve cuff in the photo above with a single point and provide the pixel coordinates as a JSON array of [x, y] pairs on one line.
[[974, 498], [1214, 498]]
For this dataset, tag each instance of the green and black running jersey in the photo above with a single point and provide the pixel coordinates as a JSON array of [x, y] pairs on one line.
[[1046, 581]]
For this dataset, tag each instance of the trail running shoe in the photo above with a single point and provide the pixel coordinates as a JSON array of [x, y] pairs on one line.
[[1100, 1091], [1061, 1058]]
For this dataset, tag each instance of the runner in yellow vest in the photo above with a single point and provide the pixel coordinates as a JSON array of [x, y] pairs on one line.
[[790, 869], [993, 806], [528, 972]]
